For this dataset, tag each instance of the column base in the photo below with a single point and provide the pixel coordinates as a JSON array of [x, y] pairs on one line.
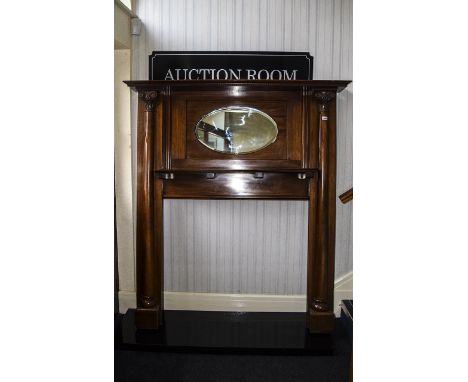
[[148, 318], [320, 322]]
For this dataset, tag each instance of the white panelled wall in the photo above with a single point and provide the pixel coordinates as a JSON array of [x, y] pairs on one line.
[[256, 247], [237, 246]]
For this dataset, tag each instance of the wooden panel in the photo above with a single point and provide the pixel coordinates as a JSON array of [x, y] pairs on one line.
[[332, 200], [295, 130], [178, 130], [148, 281], [190, 106], [321, 249], [312, 133], [237, 186], [167, 127], [234, 164], [159, 128]]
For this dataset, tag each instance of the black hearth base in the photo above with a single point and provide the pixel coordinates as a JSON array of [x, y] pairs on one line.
[[230, 332]]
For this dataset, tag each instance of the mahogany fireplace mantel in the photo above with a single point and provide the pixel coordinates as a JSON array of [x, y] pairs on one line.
[[299, 165]]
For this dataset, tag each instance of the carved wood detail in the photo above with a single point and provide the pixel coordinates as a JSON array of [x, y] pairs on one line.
[[149, 98], [324, 96]]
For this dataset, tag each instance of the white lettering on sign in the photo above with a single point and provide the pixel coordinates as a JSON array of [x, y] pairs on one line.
[[169, 76], [293, 75], [225, 74], [190, 74], [177, 74], [278, 77], [233, 75], [251, 74], [204, 71]]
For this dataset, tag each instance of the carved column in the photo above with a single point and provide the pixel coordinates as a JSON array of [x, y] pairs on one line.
[[148, 260], [320, 316]]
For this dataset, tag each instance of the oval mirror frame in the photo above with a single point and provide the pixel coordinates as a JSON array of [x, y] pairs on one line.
[[236, 130]]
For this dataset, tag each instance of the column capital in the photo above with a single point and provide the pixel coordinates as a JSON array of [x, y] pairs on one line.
[[149, 98], [324, 98]]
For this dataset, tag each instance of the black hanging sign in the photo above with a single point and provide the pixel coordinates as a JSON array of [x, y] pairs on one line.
[[177, 66]]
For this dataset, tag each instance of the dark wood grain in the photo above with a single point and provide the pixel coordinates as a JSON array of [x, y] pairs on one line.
[[299, 165], [160, 136], [234, 163], [242, 85], [237, 186], [319, 300], [148, 283], [312, 281], [320, 303], [346, 196], [331, 205], [311, 126]]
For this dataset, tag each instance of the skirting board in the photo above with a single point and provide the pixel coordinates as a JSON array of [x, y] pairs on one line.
[[241, 302]]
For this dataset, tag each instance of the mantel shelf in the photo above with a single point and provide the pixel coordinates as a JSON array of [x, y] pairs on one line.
[[229, 173], [337, 85], [242, 171]]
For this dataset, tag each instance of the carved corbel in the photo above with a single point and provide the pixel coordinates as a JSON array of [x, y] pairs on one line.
[[324, 98], [149, 98]]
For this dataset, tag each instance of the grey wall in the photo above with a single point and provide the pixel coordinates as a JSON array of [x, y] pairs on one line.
[[236, 261]]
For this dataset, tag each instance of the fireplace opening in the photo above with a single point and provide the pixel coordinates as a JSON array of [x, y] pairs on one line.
[[235, 246]]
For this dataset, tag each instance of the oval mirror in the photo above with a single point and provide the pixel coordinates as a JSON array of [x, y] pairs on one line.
[[236, 130]]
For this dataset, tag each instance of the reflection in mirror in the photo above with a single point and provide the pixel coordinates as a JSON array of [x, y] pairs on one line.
[[236, 130]]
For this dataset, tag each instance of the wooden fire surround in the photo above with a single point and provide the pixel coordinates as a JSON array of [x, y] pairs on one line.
[[299, 165]]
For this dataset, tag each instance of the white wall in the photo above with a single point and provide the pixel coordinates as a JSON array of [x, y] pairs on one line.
[[123, 170], [237, 246], [322, 27], [122, 23], [123, 147]]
